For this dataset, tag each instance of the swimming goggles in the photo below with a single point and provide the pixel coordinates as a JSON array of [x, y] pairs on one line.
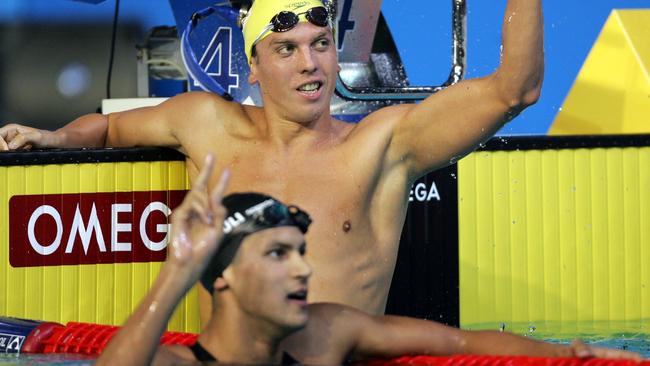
[[278, 214], [287, 20]]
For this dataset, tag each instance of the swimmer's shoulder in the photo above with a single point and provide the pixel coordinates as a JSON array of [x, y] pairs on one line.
[[203, 106], [327, 321], [343, 318]]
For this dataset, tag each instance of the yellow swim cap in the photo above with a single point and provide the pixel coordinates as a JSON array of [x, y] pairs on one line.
[[262, 11]]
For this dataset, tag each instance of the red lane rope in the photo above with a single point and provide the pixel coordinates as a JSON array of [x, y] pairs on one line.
[[465, 360], [91, 339]]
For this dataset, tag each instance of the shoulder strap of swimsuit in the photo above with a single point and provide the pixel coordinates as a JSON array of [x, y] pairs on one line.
[[288, 360], [201, 353]]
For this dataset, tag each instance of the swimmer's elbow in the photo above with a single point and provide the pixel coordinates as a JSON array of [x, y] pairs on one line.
[[530, 96], [519, 91]]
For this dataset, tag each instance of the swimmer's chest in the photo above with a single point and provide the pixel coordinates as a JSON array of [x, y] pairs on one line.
[[328, 186]]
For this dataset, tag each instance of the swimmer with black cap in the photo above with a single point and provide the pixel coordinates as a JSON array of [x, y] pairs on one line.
[[248, 213], [251, 255]]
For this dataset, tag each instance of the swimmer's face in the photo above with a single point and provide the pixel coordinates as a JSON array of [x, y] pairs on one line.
[[269, 276], [297, 71]]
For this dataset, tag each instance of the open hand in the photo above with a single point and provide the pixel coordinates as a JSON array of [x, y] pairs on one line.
[[197, 224], [17, 137], [582, 350]]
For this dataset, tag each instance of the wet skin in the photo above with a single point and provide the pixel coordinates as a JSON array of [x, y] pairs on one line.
[[352, 179]]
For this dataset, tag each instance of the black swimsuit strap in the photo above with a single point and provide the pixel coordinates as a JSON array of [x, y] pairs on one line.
[[201, 353], [288, 360]]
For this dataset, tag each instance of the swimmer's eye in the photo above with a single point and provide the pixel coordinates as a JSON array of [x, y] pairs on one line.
[[277, 253], [322, 44], [286, 50]]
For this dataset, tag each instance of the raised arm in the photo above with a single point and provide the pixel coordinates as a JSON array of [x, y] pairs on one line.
[[392, 336], [196, 230], [453, 122]]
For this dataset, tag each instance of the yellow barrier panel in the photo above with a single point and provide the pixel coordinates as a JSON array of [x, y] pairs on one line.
[[611, 92], [554, 236], [96, 293]]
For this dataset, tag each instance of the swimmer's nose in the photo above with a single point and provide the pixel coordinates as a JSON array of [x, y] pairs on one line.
[[301, 268], [307, 62]]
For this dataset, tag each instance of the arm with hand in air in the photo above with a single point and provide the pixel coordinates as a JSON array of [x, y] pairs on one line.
[[195, 235], [453, 122]]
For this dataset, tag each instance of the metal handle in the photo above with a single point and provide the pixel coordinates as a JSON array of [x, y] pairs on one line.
[[459, 30]]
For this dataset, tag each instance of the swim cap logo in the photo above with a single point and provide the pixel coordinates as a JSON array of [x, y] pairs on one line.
[[298, 5], [236, 219], [231, 222]]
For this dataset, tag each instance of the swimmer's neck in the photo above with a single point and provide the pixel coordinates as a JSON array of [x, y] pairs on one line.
[[233, 336], [282, 131]]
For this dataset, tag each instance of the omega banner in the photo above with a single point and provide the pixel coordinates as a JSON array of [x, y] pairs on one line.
[[90, 228]]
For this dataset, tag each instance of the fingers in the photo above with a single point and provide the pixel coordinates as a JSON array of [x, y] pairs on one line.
[[22, 140], [202, 180], [615, 354], [3, 144], [4, 132], [197, 202], [580, 349], [217, 192], [13, 137]]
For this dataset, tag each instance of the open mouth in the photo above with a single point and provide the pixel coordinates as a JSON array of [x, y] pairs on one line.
[[310, 88], [298, 295]]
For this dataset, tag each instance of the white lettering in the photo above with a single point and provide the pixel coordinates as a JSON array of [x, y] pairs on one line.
[[78, 226], [232, 222], [119, 227], [160, 228], [423, 194], [420, 192], [15, 343], [433, 193], [53, 246]]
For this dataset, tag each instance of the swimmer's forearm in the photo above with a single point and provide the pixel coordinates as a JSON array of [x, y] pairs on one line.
[[522, 63], [136, 343], [392, 336], [86, 131]]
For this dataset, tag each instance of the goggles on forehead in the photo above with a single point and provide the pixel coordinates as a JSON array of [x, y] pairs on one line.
[[287, 20], [278, 214]]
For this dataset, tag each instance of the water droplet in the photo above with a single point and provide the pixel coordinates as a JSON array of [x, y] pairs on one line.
[[532, 328], [502, 327]]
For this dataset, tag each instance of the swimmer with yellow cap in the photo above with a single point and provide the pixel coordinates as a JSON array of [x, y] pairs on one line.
[[266, 16]]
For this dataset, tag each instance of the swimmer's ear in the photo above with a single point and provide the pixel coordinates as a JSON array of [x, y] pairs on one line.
[[252, 77], [220, 284]]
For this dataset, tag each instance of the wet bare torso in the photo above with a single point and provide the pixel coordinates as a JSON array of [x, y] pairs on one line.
[[340, 178]]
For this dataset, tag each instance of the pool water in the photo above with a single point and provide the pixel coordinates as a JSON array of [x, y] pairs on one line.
[[47, 359], [627, 335]]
